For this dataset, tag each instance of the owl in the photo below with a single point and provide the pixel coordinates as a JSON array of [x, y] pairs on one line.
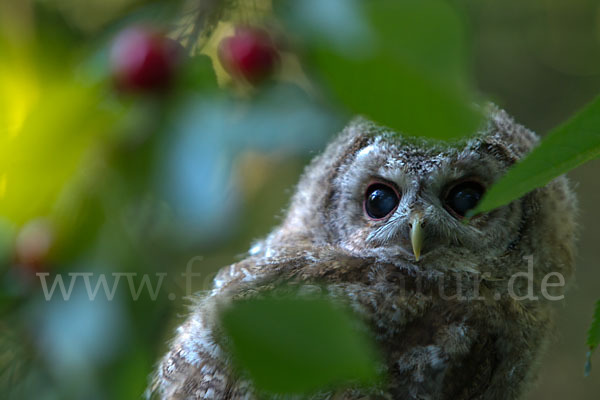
[[460, 308]]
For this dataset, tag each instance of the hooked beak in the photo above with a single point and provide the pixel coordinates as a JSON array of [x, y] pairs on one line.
[[416, 235]]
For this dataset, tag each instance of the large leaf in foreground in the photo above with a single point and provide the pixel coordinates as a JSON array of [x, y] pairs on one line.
[[566, 147], [405, 74], [291, 345], [593, 339]]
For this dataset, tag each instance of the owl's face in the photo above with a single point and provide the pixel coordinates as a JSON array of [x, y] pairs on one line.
[[378, 194], [410, 199]]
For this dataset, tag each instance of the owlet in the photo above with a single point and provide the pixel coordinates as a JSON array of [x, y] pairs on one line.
[[459, 309]]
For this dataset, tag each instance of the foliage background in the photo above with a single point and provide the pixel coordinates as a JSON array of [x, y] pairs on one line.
[[540, 60]]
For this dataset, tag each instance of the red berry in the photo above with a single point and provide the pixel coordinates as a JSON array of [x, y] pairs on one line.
[[34, 243], [249, 54], [142, 59]]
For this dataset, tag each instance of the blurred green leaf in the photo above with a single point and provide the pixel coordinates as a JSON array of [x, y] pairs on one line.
[[593, 339], [398, 96], [130, 376], [293, 345], [39, 157], [407, 74], [566, 147], [198, 75], [428, 35], [50, 120]]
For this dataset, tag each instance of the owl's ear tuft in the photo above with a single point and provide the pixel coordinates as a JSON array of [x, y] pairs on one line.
[[502, 130]]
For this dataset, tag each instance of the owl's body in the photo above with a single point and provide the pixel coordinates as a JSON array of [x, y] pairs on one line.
[[437, 298]]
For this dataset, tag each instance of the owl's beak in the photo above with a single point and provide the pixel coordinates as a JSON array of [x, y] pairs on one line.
[[416, 235]]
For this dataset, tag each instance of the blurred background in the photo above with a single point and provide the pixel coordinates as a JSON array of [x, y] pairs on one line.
[[151, 138]]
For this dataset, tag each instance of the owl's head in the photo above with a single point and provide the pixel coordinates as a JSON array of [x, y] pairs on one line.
[[375, 193]]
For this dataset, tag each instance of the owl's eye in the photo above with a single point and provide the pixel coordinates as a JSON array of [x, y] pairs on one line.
[[464, 197], [380, 200]]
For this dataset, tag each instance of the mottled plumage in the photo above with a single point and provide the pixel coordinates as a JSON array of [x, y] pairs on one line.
[[436, 346]]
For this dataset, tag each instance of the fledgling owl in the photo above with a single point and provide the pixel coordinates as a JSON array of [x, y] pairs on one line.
[[378, 219]]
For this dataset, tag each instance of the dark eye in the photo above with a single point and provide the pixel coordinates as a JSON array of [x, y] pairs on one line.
[[380, 200], [464, 197]]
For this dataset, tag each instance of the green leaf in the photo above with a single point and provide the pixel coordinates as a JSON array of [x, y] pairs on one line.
[[566, 147], [292, 345], [409, 73], [51, 120], [593, 339], [197, 75], [59, 130], [429, 35]]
